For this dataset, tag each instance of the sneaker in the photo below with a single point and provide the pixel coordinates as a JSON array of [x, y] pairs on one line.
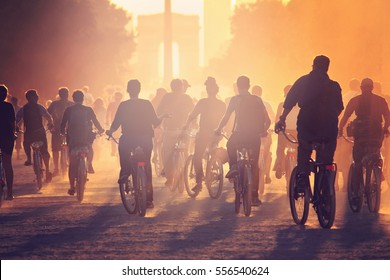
[[49, 177], [256, 201], [197, 188], [56, 172], [90, 169], [149, 204], [71, 191], [232, 172], [268, 180], [27, 163]]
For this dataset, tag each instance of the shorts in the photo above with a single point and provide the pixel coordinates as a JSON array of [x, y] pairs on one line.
[[56, 142]]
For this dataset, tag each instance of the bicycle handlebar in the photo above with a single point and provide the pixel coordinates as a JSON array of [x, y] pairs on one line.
[[290, 138]]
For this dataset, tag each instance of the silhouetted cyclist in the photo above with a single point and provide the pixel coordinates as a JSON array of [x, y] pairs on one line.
[[320, 102], [77, 123], [7, 138], [370, 110], [251, 123], [210, 110], [32, 114], [56, 110], [137, 118]]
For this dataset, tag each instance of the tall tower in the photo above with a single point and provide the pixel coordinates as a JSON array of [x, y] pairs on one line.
[[216, 27]]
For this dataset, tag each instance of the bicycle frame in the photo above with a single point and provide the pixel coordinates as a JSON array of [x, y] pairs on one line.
[[243, 180]]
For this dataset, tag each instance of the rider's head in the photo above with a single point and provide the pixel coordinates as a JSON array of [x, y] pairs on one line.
[[3, 92], [211, 86], [354, 85], [257, 90], [186, 85], [14, 100], [367, 85], [286, 90], [177, 86], [78, 96], [32, 96], [321, 62], [243, 84], [63, 93], [133, 88], [118, 96]]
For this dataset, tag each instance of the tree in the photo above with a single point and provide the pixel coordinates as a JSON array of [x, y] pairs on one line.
[[48, 44]]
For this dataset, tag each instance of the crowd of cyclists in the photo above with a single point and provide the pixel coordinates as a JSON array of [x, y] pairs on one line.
[[311, 111]]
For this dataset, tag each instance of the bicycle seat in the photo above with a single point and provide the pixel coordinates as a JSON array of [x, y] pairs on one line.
[[37, 144]]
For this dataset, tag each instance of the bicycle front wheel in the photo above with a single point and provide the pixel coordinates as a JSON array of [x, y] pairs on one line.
[[141, 193], [374, 190], [247, 191], [190, 177], [299, 202], [326, 205], [214, 177], [81, 179], [355, 195], [127, 192]]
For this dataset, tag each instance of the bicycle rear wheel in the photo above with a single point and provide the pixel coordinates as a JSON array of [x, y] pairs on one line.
[[237, 196], [214, 177], [37, 164], [141, 193], [299, 202], [127, 192], [81, 179], [190, 177], [247, 191], [374, 190], [326, 205], [64, 162], [355, 195]]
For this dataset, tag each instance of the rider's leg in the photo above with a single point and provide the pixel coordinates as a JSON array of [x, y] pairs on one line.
[[27, 150], [267, 158], [7, 164], [201, 143], [280, 156], [254, 145], [72, 170], [90, 158], [231, 147], [124, 158]]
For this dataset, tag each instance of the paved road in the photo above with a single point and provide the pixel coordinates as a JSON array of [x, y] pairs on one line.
[[53, 225]]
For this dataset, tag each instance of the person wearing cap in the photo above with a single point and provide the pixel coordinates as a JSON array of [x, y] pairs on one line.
[[178, 105], [250, 124], [371, 111], [32, 114], [320, 102], [210, 110]]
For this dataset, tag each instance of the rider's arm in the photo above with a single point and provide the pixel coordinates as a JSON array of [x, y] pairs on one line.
[[195, 112], [19, 116], [116, 123], [46, 115], [95, 121], [351, 107], [231, 108]]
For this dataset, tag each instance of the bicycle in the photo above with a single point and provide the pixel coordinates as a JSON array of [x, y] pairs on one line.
[[79, 157], [2, 180], [134, 196], [369, 184], [64, 160], [290, 160], [264, 161], [323, 197], [214, 171]]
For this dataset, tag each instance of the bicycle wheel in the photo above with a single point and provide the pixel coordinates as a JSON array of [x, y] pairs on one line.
[[81, 179], [214, 177], [190, 177], [64, 162], [37, 164], [374, 189], [141, 191], [326, 205], [247, 191], [237, 196], [299, 202], [355, 195], [127, 192]]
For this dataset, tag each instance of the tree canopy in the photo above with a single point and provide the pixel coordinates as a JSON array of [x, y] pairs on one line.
[[48, 44]]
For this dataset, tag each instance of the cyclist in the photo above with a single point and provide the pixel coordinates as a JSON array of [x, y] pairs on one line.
[[370, 110], [251, 123], [18, 142], [320, 102], [267, 141], [77, 121], [32, 114], [137, 118], [7, 138], [178, 105], [111, 110], [210, 110], [283, 143], [56, 110]]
